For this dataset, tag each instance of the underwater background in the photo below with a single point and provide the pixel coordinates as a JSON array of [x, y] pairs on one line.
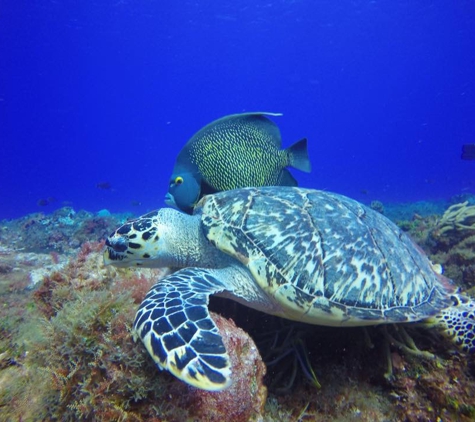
[[97, 98]]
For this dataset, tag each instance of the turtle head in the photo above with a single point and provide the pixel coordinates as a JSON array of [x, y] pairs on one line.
[[153, 240], [184, 190]]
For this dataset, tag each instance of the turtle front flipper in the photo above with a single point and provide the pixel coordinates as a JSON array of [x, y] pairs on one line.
[[174, 324]]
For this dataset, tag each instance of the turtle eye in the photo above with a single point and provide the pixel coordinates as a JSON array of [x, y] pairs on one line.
[[179, 180]]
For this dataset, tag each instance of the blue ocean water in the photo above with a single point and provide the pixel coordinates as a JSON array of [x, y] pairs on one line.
[[107, 92]]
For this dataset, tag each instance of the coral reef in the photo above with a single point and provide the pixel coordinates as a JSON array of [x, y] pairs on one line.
[[63, 231], [449, 240], [452, 243], [73, 358], [377, 206], [405, 211], [457, 218], [66, 352]]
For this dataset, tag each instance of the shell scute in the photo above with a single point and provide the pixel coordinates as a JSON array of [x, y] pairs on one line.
[[323, 255]]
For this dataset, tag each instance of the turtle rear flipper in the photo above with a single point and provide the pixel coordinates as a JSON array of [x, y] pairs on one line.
[[458, 321], [174, 324]]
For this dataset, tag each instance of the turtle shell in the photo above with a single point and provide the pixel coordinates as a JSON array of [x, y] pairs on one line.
[[324, 258]]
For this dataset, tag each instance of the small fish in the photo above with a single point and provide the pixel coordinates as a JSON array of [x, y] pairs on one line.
[[42, 202], [468, 152], [135, 203], [239, 150], [104, 185]]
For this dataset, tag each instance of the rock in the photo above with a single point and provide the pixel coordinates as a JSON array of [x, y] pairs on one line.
[[244, 400]]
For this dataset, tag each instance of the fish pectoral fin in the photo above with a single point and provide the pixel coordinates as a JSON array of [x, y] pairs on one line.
[[286, 179]]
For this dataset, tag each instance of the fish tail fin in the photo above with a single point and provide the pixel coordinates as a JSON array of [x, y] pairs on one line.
[[298, 156]]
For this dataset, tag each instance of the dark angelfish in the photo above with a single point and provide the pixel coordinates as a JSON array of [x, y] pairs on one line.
[[468, 152], [239, 150]]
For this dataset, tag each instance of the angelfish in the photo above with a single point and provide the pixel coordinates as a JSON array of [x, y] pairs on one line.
[[235, 151]]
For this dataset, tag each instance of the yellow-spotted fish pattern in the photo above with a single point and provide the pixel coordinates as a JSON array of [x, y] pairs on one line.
[[240, 150]]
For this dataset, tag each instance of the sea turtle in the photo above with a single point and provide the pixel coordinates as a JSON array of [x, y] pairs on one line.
[[301, 254]]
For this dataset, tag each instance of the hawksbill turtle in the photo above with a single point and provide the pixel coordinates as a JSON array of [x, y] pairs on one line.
[[301, 254]]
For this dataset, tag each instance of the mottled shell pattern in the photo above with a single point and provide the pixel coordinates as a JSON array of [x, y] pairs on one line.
[[325, 257]]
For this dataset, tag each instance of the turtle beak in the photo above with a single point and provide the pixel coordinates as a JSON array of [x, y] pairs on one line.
[[115, 250]]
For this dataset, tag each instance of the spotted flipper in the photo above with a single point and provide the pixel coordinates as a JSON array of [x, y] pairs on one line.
[[174, 324], [458, 322]]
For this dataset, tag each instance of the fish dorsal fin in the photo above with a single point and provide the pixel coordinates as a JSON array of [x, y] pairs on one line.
[[261, 122], [257, 119]]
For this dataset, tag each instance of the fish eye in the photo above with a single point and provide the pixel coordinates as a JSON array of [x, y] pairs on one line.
[[179, 180]]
